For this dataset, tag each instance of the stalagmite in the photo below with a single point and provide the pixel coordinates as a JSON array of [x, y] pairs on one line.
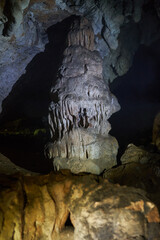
[[81, 104]]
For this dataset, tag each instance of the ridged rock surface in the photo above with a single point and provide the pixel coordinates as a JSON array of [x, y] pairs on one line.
[[80, 107], [33, 208]]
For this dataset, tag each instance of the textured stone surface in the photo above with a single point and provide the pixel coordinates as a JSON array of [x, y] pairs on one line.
[[139, 155], [21, 40], [119, 28], [81, 104], [81, 151], [140, 168], [23, 26], [11, 208], [33, 208]]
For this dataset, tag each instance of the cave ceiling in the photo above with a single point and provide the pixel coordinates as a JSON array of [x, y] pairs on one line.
[[119, 28]]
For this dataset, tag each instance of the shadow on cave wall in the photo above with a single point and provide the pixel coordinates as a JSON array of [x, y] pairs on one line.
[[139, 97], [29, 100]]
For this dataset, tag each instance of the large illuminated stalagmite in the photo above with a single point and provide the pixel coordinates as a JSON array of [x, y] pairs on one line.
[[80, 107]]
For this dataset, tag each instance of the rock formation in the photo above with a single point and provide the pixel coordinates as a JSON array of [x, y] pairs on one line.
[[141, 169], [119, 27], [33, 208], [80, 107]]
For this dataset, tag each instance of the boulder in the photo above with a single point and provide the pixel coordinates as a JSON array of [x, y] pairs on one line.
[[141, 169], [37, 207]]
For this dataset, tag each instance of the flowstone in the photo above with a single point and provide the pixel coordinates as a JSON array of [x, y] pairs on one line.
[[80, 107]]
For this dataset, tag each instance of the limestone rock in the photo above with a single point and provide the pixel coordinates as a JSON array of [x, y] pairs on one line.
[[81, 151], [33, 208], [137, 154], [80, 97], [23, 26], [39, 214], [140, 168], [81, 34], [11, 208], [116, 29], [119, 27], [130, 218], [80, 107]]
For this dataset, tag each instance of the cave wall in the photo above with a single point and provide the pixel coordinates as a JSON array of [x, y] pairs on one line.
[[138, 94], [119, 28]]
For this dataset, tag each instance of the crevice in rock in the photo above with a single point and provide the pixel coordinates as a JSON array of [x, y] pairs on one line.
[[11, 20], [114, 70], [68, 221], [103, 30]]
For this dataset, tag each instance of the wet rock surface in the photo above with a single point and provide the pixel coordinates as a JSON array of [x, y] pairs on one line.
[[38, 207]]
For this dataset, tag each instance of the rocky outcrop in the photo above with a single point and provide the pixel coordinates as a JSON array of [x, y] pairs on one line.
[[139, 155], [38, 208], [140, 168], [80, 107]]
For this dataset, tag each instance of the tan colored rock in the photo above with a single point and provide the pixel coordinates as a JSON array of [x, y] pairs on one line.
[[39, 211], [82, 151], [145, 176], [135, 154], [11, 208], [33, 208]]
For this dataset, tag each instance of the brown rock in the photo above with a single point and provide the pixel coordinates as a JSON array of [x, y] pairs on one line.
[[39, 211], [107, 211], [33, 208], [11, 208], [135, 154], [145, 176]]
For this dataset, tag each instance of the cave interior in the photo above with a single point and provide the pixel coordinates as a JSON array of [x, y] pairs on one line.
[[25, 129], [26, 107]]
